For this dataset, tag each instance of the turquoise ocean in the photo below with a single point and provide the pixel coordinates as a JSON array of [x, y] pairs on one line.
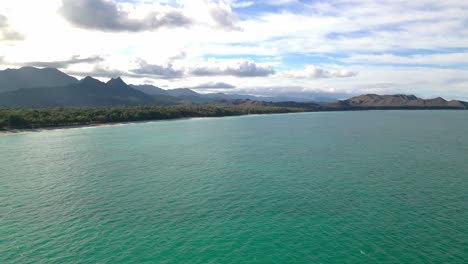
[[335, 187]]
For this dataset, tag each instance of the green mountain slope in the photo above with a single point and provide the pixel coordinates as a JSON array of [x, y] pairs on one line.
[[88, 92], [29, 77]]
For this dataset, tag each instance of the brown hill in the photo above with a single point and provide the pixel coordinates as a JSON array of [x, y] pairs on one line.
[[396, 101]]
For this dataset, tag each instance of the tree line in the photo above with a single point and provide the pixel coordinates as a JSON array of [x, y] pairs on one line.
[[14, 118]]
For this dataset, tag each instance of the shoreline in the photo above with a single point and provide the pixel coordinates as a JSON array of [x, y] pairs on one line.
[[100, 125], [97, 125]]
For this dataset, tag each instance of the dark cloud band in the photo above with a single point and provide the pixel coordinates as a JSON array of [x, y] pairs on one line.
[[105, 15], [243, 68], [56, 64]]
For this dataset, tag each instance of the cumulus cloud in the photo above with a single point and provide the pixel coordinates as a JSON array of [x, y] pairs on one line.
[[106, 15], [223, 16], [238, 68], [314, 72], [7, 32], [213, 85], [166, 71]]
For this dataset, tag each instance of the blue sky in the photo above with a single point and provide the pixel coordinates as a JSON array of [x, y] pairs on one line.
[[257, 47]]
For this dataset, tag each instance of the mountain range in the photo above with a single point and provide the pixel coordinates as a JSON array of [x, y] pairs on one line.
[[34, 88]]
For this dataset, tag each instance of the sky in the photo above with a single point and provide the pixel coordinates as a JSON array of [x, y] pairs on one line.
[[269, 48]]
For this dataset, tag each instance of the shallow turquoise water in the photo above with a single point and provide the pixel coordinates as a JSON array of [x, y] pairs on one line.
[[345, 187]]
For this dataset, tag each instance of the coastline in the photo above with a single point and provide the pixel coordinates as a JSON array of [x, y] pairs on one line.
[[99, 125]]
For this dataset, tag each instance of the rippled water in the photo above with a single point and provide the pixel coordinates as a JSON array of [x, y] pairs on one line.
[[356, 187]]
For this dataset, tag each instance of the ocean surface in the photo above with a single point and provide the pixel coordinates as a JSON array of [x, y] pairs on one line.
[[342, 187]]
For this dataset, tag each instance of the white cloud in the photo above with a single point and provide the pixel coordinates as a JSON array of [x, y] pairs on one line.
[[314, 72], [420, 59], [7, 32], [223, 16], [238, 68]]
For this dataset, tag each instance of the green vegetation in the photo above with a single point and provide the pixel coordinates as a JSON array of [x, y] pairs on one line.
[[53, 117]]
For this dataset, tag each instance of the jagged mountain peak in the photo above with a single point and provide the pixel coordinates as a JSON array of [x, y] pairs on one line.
[[116, 82]]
